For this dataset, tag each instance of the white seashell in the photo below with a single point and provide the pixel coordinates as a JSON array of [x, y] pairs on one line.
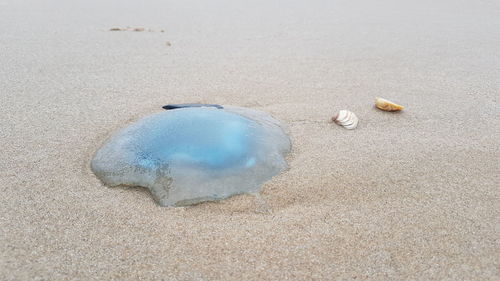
[[346, 119]]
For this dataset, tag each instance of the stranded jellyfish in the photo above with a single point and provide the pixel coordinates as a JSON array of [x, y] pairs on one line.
[[194, 153]]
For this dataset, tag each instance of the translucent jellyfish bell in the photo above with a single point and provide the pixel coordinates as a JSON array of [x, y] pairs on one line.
[[194, 154]]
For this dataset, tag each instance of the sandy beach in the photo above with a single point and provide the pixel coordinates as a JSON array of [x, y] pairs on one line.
[[413, 195]]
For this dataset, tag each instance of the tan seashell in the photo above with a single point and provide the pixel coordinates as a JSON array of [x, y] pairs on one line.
[[346, 119], [386, 105]]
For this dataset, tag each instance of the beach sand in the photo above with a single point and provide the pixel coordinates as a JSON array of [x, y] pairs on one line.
[[410, 195]]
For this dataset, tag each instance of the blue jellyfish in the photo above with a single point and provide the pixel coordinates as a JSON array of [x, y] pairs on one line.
[[195, 153]]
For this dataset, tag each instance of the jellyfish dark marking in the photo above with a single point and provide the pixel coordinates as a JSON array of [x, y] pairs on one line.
[[184, 105]]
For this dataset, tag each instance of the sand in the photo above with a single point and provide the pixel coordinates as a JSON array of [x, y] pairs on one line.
[[406, 196]]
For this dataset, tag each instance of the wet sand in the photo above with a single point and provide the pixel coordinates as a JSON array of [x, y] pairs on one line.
[[410, 195]]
